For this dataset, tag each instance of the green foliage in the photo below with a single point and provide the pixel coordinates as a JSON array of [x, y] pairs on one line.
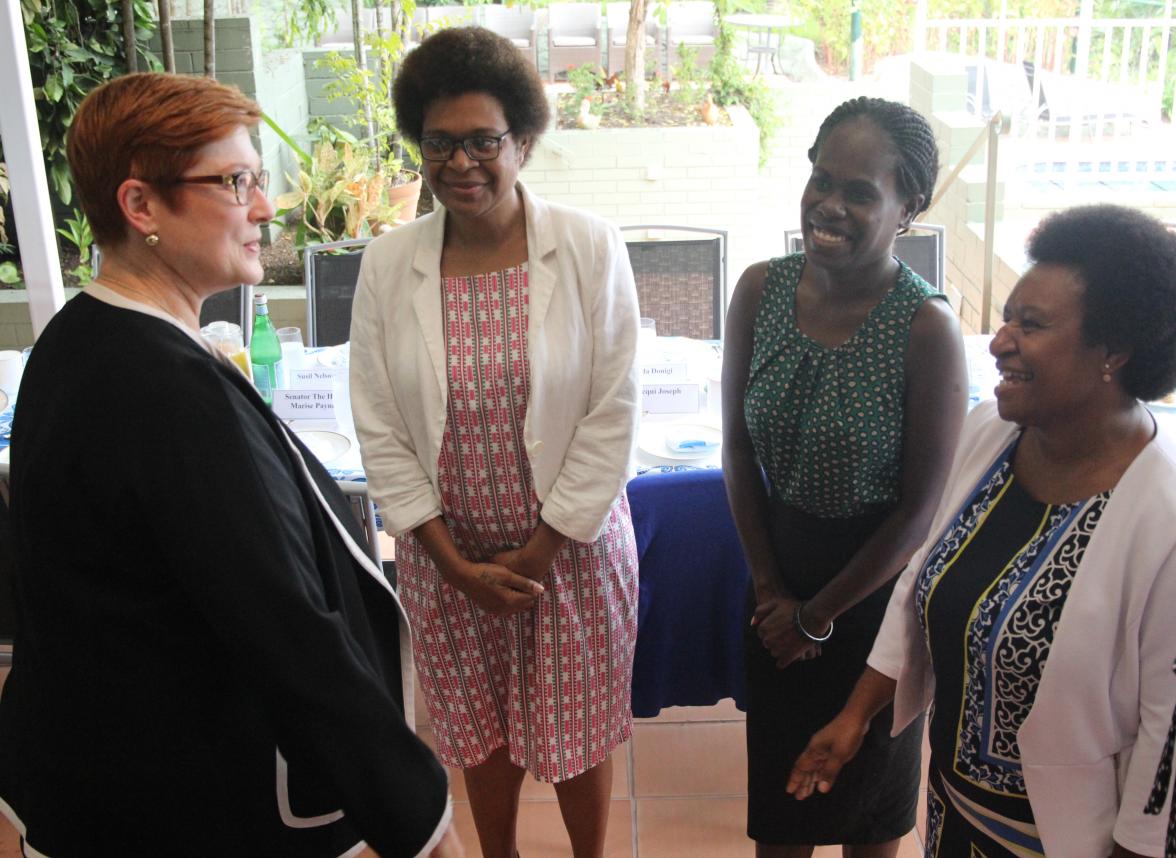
[[74, 46], [585, 80], [304, 21], [77, 232], [5, 191], [337, 195], [9, 274], [730, 84], [690, 76]]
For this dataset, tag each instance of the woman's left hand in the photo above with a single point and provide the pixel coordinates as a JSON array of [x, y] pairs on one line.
[[525, 563], [773, 622]]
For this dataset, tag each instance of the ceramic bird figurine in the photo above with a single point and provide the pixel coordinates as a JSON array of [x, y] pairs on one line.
[[587, 119], [709, 110]]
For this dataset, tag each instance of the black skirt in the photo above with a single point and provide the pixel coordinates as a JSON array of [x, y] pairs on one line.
[[875, 797]]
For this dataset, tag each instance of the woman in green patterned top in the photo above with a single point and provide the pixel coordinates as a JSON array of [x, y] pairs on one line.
[[845, 387]]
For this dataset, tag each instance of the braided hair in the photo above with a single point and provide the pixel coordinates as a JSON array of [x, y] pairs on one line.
[[918, 155]]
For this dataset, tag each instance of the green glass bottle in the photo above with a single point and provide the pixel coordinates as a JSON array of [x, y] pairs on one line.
[[265, 352]]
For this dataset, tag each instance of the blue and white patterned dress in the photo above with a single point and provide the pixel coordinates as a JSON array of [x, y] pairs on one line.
[[989, 597]]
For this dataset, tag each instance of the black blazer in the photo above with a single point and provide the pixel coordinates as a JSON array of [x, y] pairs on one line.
[[203, 666]]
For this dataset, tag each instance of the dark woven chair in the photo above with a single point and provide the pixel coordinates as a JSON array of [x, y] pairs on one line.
[[232, 305], [332, 272], [7, 595], [681, 281], [923, 248]]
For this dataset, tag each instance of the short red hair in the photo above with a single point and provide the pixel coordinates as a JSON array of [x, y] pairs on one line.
[[146, 126]]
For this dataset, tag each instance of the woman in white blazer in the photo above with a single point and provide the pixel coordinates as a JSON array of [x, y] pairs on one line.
[[494, 391], [1036, 621]]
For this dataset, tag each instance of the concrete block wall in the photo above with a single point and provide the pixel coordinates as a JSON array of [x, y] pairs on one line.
[[691, 176]]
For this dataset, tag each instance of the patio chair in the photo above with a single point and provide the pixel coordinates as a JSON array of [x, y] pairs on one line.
[[441, 17], [923, 248], [1069, 100], [681, 281], [692, 24], [573, 36], [233, 305], [516, 23], [332, 272], [617, 19]]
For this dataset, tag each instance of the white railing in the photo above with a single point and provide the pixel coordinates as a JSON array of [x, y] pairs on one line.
[[1084, 74]]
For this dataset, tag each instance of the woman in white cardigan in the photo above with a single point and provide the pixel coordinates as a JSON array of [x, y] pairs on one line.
[[494, 390], [1036, 620]]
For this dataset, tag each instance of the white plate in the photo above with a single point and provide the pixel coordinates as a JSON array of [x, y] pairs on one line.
[[326, 446], [4, 455], [656, 439], [336, 357]]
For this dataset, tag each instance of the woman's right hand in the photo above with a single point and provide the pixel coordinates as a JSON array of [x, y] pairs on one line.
[[494, 588], [828, 751]]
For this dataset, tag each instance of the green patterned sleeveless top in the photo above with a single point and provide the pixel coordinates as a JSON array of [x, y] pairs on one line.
[[827, 423]]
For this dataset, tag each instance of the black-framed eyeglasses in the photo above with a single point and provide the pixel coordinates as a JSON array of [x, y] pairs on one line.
[[243, 183], [479, 147]]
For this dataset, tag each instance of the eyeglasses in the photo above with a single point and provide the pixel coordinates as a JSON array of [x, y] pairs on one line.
[[480, 147], [243, 183]]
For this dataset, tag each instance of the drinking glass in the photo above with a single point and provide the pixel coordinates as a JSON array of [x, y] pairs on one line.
[[228, 339], [290, 339], [11, 368]]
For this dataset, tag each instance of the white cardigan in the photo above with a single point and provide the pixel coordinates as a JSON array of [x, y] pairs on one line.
[[1091, 742], [582, 413]]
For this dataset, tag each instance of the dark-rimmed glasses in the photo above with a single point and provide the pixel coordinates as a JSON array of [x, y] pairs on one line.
[[243, 183], [479, 147]]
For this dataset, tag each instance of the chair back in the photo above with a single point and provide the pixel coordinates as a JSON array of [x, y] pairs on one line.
[[923, 247], [233, 305], [681, 281], [692, 17], [332, 272], [440, 17], [513, 22], [574, 19]]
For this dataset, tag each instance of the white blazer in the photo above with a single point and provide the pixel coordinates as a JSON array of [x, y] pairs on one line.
[[581, 419], [1092, 740]]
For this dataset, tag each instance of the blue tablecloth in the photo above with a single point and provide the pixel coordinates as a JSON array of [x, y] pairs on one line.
[[692, 594]]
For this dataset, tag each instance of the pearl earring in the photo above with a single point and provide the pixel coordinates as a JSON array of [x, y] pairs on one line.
[[152, 240], [1107, 372]]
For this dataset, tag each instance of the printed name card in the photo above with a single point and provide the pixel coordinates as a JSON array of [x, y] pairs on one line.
[[304, 404], [663, 372], [670, 398], [315, 378]]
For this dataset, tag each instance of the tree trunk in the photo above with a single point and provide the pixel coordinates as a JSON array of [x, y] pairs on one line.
[[361, 64], [130, 46], [380, 19], [210, 38], [635, 53], [165, 33]]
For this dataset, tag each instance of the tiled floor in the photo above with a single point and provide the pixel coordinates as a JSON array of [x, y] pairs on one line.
[[679, 791]]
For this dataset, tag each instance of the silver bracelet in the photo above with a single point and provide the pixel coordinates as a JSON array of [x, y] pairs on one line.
[[805, 633]]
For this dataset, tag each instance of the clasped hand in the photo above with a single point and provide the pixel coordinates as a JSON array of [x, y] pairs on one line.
[[774, 623]]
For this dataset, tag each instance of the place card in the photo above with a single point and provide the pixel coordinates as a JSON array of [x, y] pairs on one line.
[[316, 377], [660, 373], [304, 404], [670, 398]]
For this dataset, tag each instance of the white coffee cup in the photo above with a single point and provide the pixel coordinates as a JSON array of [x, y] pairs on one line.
[[11, 369]]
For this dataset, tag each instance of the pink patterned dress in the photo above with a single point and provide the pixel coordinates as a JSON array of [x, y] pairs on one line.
[[552, 683]]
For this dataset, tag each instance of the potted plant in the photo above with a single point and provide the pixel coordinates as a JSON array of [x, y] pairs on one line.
[[339, 195]]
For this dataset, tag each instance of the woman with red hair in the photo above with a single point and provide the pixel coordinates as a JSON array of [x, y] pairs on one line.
[[206, 663]]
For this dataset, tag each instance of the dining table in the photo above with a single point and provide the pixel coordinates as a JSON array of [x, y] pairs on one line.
[[765, 31]]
